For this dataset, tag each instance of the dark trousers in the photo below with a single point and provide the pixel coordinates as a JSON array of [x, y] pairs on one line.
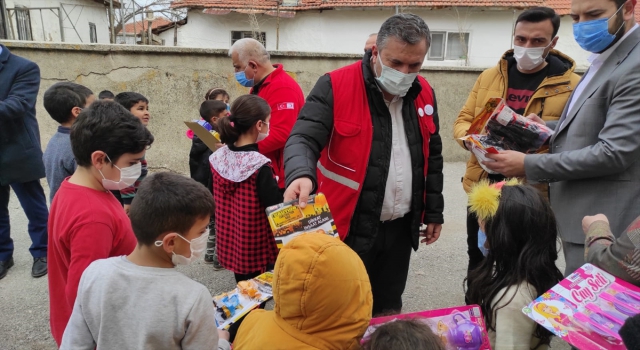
[[34, 203], [387, 264], [474, 253]]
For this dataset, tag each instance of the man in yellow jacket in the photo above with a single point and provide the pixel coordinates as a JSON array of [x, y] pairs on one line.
[[533, 78]]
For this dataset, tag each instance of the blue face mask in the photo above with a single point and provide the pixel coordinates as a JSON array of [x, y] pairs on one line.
[[594, 36], [241, 77], [482, 239]]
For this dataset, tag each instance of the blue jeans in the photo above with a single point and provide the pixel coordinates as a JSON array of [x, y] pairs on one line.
[[34, 203]]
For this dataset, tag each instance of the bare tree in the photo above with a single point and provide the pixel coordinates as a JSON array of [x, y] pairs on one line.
[[133, 10], [463, 27]]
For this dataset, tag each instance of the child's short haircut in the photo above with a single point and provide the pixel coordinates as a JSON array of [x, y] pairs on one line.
[[212, 94], [404, 335], [128, 99], [106, 126], [166, 203], [105, 94], [211, 108], [62, 97]]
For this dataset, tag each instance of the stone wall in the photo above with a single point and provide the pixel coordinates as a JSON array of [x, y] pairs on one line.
[[176, 79]]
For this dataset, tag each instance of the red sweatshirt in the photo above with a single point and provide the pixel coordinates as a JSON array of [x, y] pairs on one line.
[[84, 225], [285, 99]]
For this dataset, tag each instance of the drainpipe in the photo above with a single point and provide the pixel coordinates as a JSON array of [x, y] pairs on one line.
[[397, 10], [513, 28]]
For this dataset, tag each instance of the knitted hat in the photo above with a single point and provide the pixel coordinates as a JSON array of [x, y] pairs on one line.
[[484, 197]]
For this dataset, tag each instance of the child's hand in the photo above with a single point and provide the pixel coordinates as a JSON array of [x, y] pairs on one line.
[[222, 334], [589, 220], [219, 145], [126, 208]]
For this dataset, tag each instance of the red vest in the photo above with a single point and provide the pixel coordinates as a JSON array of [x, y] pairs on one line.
[[343, 162]]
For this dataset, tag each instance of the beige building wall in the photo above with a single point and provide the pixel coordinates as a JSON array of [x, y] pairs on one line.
[[176, 79]]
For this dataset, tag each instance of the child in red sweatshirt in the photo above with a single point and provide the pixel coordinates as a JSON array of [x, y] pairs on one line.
[[87, 222]]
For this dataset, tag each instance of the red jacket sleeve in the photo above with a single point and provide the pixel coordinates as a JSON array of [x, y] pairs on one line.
[[88, 243], [285, 106]]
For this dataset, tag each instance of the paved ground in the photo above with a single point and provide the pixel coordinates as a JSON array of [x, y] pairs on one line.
[[435, 277]]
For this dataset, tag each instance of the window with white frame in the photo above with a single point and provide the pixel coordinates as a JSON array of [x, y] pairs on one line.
[[448, 46], [93, 36], [237, 35]]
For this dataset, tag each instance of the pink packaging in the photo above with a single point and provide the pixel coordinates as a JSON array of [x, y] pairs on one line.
[[587, 309], [460, 328]]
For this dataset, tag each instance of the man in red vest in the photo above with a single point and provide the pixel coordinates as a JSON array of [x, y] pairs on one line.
[[370, 131], [253, 68]]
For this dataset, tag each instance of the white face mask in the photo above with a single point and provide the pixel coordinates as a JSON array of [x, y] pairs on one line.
[[262, 136], [197, 245], [394, 82], [529, 58], [128, 177]]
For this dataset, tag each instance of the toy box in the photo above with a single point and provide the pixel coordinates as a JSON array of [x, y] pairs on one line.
[[288, 220], [460, 328], [248, 295], [587, 309], [208, 136]]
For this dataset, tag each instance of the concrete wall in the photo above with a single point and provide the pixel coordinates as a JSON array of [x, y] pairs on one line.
[[345, 31], [46, 25], [176, 79]]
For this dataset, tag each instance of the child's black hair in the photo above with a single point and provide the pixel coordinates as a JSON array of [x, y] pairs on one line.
[[106, 126], [246, 111], [630, 333], [129, 99], [212, 94], [522, 239], [105, 94], [405, 334], [62, 97], [167, 202], [212, 108]]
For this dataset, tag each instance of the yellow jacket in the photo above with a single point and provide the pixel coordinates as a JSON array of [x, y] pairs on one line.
[[547, 102], [322, 299]]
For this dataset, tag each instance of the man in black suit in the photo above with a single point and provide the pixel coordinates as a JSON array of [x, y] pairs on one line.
[[21, 166]]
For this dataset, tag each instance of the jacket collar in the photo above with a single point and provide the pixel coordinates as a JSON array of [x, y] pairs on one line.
[[370, 78], [267, 80]]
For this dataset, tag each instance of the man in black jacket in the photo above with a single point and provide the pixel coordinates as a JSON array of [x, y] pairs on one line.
[[21, 165], [370, 131]]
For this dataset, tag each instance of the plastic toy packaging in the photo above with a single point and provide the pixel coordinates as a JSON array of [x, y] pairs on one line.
[[248, 295], [459, 328], [481, 145], [587, 309], [508, 130]]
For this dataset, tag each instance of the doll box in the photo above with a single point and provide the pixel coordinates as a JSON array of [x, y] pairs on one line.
[[587, 309], [459, 328]]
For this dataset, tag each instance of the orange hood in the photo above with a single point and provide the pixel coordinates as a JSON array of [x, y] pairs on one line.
[[322, 299]]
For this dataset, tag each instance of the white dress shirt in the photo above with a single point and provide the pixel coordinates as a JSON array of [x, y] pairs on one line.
[[596, 60], [397, 193]]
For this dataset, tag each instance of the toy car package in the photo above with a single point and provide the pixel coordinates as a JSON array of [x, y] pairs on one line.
[[509, 130], [587, 309], [288, 220], [459, 328], [248, 295]]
